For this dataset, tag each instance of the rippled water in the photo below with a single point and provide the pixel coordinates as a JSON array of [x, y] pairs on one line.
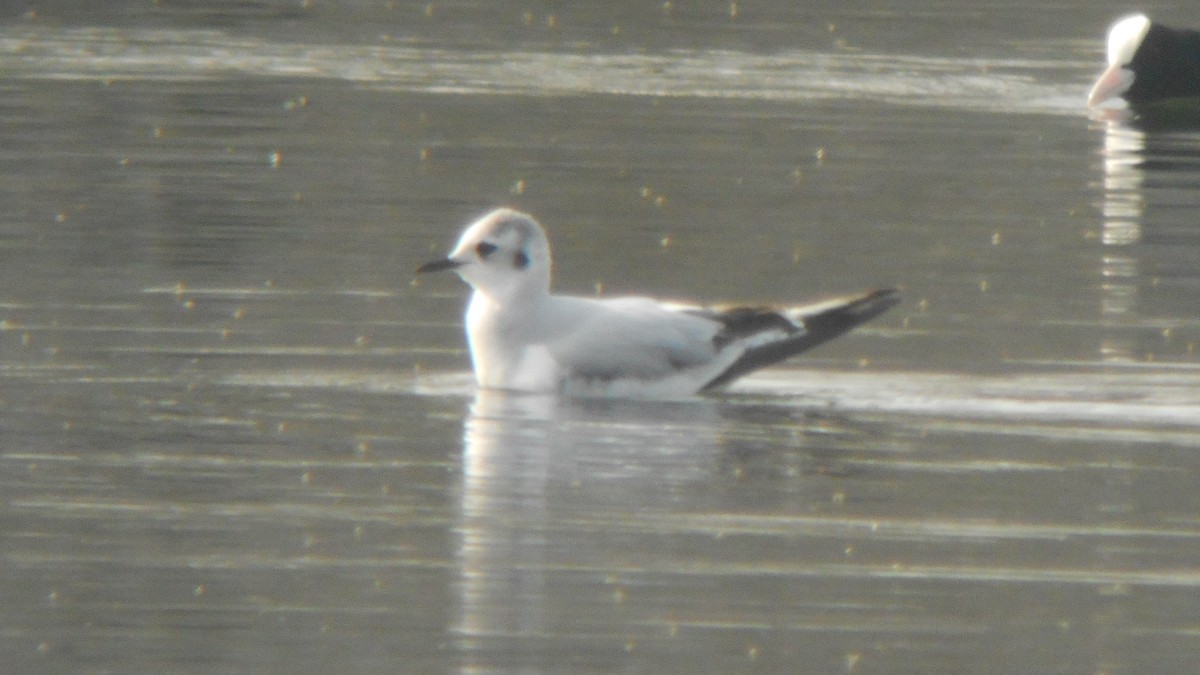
[[236, 437]]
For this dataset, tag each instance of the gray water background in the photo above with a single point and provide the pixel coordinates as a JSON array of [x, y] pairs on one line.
[[235, 436]]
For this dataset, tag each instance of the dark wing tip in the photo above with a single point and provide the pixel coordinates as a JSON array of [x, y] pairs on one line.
[[819, 327], [839, 318], [874, 302]]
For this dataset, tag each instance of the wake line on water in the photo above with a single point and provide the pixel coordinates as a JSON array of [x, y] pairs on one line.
[[1001, 85], [1163, 405], [1166, 402]]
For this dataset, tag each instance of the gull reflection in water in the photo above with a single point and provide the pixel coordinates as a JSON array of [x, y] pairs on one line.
[[508, 441], [551, 489]]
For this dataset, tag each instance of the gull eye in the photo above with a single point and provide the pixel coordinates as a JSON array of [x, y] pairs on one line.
[[484, 249], [520, 260]]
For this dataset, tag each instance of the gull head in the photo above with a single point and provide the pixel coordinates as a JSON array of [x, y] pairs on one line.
[[502, 255]]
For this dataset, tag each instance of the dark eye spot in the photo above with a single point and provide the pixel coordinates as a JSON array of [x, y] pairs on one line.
[[520, 260], [484, 249]]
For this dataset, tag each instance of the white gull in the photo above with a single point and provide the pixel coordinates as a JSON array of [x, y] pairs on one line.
[[525, 338]]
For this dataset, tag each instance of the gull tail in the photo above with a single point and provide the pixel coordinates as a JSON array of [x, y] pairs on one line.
[[772, 336]]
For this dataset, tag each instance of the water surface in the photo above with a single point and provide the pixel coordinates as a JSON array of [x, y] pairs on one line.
[[235, 436]]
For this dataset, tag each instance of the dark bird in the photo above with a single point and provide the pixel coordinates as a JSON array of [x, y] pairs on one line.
[[1148, 63]]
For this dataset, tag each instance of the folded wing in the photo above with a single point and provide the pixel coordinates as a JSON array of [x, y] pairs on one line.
[[767, 336], [641, 339], [632, 338]]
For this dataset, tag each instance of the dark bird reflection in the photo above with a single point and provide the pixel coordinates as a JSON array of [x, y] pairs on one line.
[[1151, 193]]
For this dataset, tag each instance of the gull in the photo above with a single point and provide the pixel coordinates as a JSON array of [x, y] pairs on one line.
[[524, 338]]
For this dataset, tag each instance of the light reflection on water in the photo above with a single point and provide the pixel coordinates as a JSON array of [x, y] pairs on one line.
[[574, 500], [1123, 210], [1147, 174], [1005, 84]]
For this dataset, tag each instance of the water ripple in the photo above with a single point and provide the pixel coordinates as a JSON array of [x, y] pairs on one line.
[[1009, 85]]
